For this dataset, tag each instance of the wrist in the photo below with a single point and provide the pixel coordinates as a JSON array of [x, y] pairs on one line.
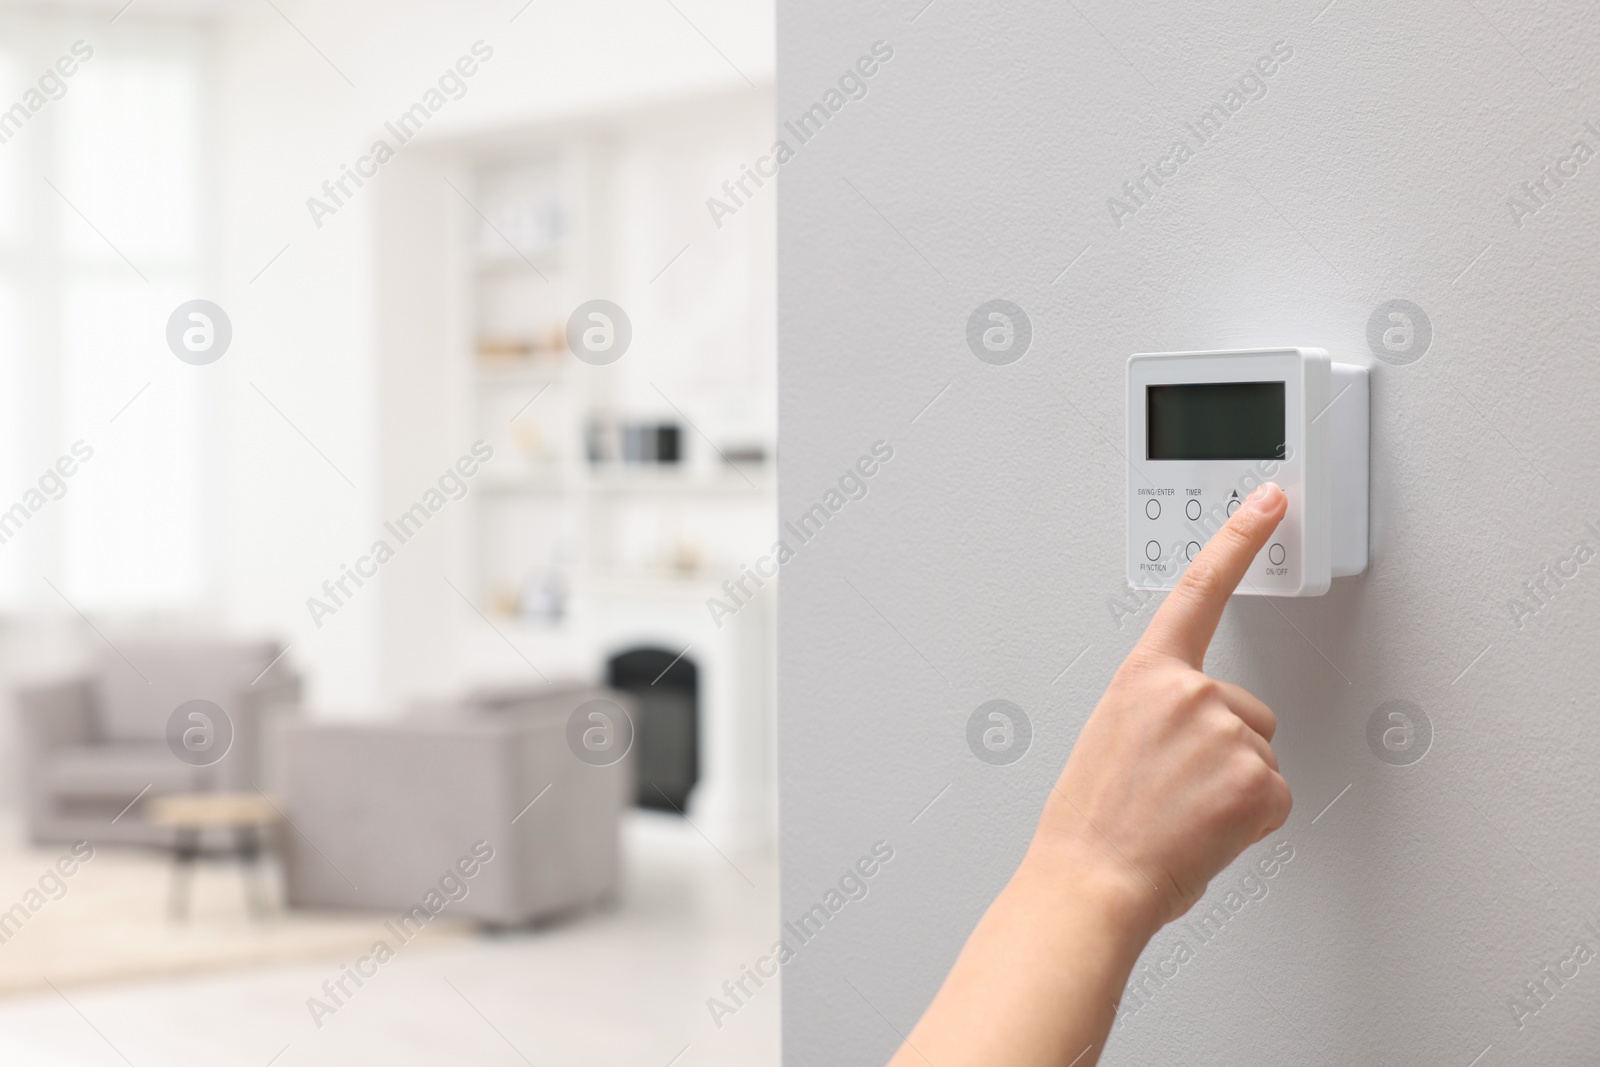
[[1097, 884]]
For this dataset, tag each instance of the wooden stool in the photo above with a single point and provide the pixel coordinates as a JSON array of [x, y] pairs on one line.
[[250, 817]]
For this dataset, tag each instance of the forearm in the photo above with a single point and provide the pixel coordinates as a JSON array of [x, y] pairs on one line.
[[1038, 981], [1171, 777]]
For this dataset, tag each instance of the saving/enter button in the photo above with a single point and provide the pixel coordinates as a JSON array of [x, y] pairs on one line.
[[1153, 510]]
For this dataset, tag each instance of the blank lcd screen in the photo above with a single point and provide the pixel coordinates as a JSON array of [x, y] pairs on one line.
[[1215, 420]]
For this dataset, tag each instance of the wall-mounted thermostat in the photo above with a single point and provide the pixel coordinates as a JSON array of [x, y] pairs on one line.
[[1205, 428]]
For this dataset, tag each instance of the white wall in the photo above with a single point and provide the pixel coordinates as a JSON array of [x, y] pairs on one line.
[[314, 331], [988, 553]]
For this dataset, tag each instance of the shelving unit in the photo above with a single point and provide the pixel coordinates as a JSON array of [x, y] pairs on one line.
[[535, 221], [560, 224], [567, 563]]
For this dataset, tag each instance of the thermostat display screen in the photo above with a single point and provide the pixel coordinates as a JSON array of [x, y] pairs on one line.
[[1215, 420]]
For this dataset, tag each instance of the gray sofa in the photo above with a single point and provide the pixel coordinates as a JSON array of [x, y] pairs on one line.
[[381, 811], [89, 745]]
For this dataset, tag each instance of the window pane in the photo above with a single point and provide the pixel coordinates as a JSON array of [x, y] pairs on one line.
[[144, 115], [13, 444], [133, 515], [10, 169]]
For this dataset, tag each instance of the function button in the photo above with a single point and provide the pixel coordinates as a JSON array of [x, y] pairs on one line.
[[1152, 551], [1192, 509], [1192, 550], [1153, 510], [1275, 554]]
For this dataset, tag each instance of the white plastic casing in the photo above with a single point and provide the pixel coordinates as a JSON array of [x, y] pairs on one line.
[[1174, 506]]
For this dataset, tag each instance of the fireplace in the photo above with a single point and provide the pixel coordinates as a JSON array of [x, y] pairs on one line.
[[666, 746]]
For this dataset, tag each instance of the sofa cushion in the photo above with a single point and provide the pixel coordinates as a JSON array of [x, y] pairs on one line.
[[136, 695], [118, 770]]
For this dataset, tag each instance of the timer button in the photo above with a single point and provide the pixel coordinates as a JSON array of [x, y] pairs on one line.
[[1193, 550], [1152, 551], [1192, 509], [1153, 510], [1275, 554]]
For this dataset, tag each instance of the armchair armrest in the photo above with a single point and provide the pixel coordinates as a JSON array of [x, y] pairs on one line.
[[251, 763], [271, 693]]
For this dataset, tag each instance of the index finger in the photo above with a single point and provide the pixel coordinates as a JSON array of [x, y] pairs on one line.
[[1184, 625]]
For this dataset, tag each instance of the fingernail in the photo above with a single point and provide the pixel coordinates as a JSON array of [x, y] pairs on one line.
[[1264, 497]]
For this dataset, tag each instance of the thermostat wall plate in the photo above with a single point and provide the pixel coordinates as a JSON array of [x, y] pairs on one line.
[[1206, 428]]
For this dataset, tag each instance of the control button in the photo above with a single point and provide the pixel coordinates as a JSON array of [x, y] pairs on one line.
[[1192, 509], [1275, 554], [1233, 505], [1153, 509], [1193, 549], [1152, 551]]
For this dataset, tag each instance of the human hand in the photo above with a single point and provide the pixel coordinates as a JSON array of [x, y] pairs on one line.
[[1173, 774]]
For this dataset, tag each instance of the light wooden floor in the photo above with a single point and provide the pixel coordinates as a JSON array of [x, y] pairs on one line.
[[623, 986]]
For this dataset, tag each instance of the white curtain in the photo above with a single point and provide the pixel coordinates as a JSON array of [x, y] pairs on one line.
[[101, 222]]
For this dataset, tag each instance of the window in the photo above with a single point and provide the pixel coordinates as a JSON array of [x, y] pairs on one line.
[[100, 238]]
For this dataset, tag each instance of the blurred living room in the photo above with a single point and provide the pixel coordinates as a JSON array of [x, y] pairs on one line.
[[387, 477]]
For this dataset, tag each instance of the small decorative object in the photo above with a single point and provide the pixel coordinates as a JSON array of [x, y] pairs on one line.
[[505, 600], [499, 349], [633, 443], [744, 454], [544, 595], [533, 442], [685, 559]]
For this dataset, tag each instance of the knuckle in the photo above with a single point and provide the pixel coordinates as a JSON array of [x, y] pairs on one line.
[[1245, 798], [1237, 730], [1256, 781], [1203, 579], [1242, 527], [1270, 721], [1278, 800], [1195, 689], [1235, 534]]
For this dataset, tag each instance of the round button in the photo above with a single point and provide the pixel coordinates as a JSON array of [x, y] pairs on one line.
[[1192, 509], [1152, 551], [1153, 509], [1192, 550], [1275, 554], [1233, 505]]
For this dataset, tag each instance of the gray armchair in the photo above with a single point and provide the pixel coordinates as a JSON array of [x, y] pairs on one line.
[[381, 811], [89, 745]]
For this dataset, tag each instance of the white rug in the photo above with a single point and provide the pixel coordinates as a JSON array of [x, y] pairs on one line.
[[107, 921]]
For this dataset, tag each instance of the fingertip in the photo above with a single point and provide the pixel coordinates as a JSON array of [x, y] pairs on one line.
[[1185, 623], [1267, 498]]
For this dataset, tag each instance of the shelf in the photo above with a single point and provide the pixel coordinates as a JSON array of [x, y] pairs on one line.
[[633, 484], [528, 487], [642, 483], [546, 262], [506, 373]]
